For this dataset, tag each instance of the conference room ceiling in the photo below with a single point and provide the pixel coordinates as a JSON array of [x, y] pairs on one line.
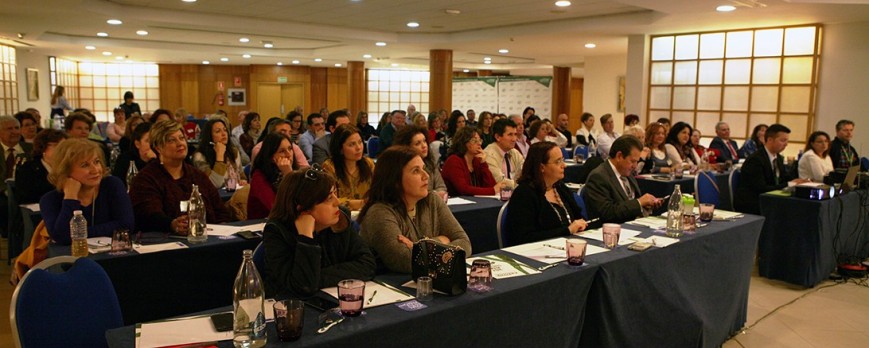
[[538, 34]]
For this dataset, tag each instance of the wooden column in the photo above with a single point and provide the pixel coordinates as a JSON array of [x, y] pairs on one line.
[[319, 89], [356, 88], [440, 94], [560, 91]]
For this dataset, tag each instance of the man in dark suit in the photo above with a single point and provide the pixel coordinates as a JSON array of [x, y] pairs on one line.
[[15, 152], [724, 146], [611, 193], [841, 152], [763, 171], [399, 119], [320, 151]]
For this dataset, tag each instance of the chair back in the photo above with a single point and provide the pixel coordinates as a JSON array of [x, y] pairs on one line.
[[259, 259], [373, 146], [565, 153], [589, 165], [580, 150], [580, 201], [706, 189], [62, 309], [864, 163], [15, 226], [733, 180], [246, 171], [500, 225]]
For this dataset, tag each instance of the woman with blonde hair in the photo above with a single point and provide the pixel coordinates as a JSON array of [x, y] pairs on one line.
[[80, 177]]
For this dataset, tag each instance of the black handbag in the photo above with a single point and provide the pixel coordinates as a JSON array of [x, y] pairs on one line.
[[444, 264]]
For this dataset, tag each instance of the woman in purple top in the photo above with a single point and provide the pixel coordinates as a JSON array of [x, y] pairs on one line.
[[80, 176]]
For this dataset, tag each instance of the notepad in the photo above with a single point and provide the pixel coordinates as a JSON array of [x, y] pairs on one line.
[[229, 230], [597, 234], [153, 248], [98, 245], [459, 201], [547, 251], [179, 331], [376, 294], [504, 266]]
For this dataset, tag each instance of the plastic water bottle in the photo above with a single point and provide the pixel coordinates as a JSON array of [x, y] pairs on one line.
[[78, 233], [249, 326], [198, 232], [131, 173], [674, 213], [689, 221]]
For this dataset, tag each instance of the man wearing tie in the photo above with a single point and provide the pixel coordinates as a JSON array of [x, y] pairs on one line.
[[764, 171], [611, 193], [15, 152], [726, 147], [505, 162]]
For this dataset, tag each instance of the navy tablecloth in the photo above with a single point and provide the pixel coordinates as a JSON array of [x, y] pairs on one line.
[[479, 221]]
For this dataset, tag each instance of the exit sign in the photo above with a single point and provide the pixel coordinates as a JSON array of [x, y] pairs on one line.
[[282, 79]]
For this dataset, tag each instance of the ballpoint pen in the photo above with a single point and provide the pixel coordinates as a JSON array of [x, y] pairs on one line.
[[554, 247], [372, 296]]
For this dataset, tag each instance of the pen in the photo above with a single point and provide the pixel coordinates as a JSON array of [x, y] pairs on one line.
[[372, 297], [592, 221], [553, 257], [554, 247]]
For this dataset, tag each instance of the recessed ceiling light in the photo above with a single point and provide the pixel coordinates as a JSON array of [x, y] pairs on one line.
[[487, 62], [107, 53], [224, 59], [503, 51], [206, 62], [114, 22], [102, 34], [243, 40], [487, 58], [188, 0], [280, 63], [413, 24], [246, 56], [466, 70], [394, 64], [337, 65], [296, 62], [562, 3], [366, 56], [590, 45], [268, 44], [452, 12], [141, 32], [119, 58], [725, 8], [380, 43], [318, 60], [90, 47]]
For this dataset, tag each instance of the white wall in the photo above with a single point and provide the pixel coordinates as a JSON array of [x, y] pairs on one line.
[[843, 80], [24, 60], [601, 87], [637, 76]]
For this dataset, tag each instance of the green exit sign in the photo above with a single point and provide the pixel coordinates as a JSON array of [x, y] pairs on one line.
[[282, 79]]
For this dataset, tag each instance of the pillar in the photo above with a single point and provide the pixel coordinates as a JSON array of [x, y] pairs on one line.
[[440, 94]]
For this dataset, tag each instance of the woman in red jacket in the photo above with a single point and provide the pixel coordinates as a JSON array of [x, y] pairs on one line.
[[465, 170], [276, 160]]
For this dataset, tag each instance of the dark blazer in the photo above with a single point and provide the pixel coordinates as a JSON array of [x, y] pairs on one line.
[[28, 148], [724, 153], [756, 177], [531, 218], [605, 198], [320, 149], [31, 179]]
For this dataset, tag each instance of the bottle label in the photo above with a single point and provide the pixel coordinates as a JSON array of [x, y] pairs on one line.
[[259, 326]]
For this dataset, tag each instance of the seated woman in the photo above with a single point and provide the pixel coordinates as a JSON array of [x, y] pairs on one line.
[[266, 173], [542, 207], [485, 128], [816, 162], [350, 166], [401, 210], [28, 125], [657, 161], [308, 242], [78, 173], [126, 142], [699, 150], [251, 127], [415, 137], [757, 138], [31, 177], [140, 157], [465, 170], [163, 183], [678, 147], [538, 131], [115, 130], [216, 156], [280, 126]]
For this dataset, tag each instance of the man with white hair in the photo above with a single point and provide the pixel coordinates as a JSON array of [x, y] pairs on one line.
[[237, 131], [726, 147], [15, 152]]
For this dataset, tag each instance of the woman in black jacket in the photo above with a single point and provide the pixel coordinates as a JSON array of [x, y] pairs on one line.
[[31, 177]]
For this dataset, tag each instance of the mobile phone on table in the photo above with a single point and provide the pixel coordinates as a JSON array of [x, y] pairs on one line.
[[222, 321]]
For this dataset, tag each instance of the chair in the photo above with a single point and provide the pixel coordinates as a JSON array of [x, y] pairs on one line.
[[706, 189], [246, 171], [733, 180], [15, 225], [864, 163], [565, 153], [589, 165], [373, 146], [580, 150], [75, 307], [580, 201], [499, 225], [259, 258]]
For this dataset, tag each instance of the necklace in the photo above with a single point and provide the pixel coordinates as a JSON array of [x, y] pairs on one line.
[[561, 204]]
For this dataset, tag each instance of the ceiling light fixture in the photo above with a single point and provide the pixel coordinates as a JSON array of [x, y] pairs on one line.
[[413, 24], [503, 51], [590, 45], [380, 43], [90, 48], [562, 3], [141, 32], [487, 62], [102, 34], [107, 53], [243, 40], [296, 62], [224, 59], [394, 64], [268, 44], [114, 22], [119, 58], [206, 62], [466, 70], [452, 12], [725, 8], [337, 65], [318, 59], [245, 56], [190, 1], [366, 56], [280, 63], [487, 58]]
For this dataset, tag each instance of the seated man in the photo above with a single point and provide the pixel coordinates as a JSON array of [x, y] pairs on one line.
[[611, 193], [320, 150], [841, 152], [764, 171], [505, 162], [725, 148], [608, 136], [314, 132]]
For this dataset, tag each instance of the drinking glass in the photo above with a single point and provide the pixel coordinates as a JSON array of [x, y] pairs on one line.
[[350, 295], [480, 280], [289, 319], [611, 235], [424, 289], [707, 211], [121, 241], [576, 251], [506, 193]]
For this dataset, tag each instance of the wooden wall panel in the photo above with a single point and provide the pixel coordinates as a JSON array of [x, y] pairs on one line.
[[576, 110], [319, 89], [336, 89]]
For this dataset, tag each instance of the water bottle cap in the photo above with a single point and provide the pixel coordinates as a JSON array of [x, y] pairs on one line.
[[76, 212]]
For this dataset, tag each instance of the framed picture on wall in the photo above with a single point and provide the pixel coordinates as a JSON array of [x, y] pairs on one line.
[[32, 84], [621, 105], [237, 96]]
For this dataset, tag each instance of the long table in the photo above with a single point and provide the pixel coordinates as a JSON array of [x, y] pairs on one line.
[[802, 239], [478, 220], [663, 187], [692, 293]]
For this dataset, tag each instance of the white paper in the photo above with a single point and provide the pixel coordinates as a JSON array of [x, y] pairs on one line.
[[459, 201], [811, 184], [498, 196], [98, 245], [229, 230], [547, 251], [502, 269], [597, 234], [573, 186], [180, 331], [660, 241], [652, 222], [153, 248], [34, 207], [376, 294]]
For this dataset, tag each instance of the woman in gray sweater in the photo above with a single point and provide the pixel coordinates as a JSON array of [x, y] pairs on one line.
[[401, 210]]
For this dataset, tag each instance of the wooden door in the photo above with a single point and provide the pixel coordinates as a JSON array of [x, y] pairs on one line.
[[292, 95], [268, 98]]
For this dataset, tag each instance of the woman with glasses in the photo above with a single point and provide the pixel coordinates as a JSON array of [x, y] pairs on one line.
[[349, 165], [542, 207], [216, 156], [297, 125], [162, 184], [401, 210], [309, 243], [816, 162], [266, 173], [465, 171], [28, 126]]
